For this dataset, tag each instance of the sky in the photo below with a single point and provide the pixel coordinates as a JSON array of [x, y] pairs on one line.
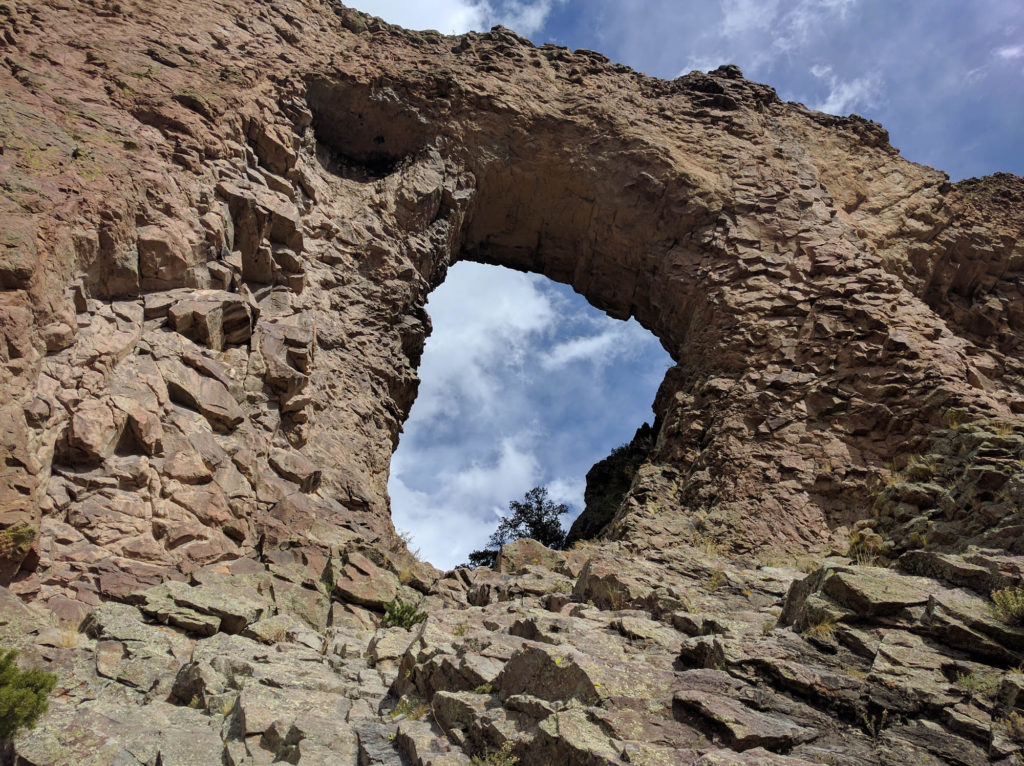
[[523, 384]]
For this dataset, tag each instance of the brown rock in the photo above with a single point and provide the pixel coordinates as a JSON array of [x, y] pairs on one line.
[[95, 430], [363, 582], [214, 318], [740, 727], [202, 394], [295, 467], [165, 255], [285, 189]]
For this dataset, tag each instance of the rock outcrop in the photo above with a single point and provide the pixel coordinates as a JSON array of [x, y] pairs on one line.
[[219, 224]]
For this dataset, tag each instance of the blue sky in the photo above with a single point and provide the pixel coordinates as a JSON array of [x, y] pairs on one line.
[[523, 383]]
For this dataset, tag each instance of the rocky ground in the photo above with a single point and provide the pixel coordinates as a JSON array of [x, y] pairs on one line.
[[219, 223], [594, 656]]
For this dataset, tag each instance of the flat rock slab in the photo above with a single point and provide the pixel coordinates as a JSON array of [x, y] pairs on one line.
[[740, 727], [204, 609], [756, 757], [872, 592], [101, 733], [363, 582]]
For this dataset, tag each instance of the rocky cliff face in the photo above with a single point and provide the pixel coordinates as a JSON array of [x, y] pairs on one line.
[[220, 223]]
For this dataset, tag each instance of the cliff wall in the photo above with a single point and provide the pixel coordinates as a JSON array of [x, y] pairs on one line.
[[220, 223]]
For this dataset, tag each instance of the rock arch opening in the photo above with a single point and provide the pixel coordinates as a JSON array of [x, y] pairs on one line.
[[522, 384], [712, 228]]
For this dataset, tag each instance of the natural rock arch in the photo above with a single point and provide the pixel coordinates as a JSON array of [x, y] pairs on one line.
[[738, 240], [220, 222], [825, 300]]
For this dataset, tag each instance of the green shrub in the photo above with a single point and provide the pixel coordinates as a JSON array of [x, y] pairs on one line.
[[977, 683], [1011, 727], [22, 695], [534, 516], [1008, 605], [502, 757], [412, 708], [14, 541], [398, 614]]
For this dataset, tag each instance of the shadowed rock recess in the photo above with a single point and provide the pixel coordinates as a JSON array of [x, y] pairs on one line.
[[219, 224]]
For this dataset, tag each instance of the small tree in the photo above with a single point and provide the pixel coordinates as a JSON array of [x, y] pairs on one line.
[[22, 695], [534, 516]]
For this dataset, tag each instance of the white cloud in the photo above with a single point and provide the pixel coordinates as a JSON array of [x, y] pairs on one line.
[[811, 18], [742, 16], [442, 532], [526, 17], [846, 95], [568, 490], [760, 32], [515, 467], [1010, 52], [611, 344], [459, 514], [446, 16], [508, 313]]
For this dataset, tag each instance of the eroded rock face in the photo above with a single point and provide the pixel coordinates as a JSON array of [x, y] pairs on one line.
[[218, 229]]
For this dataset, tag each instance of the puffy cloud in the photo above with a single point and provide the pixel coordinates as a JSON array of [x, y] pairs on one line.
[[522, 385], [527, 17], [845, 95], [740, 17], [480, 336], [612, 342], [461, 508], [446, 16]]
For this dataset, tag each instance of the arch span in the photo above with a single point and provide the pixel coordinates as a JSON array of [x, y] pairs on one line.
[[720, 218], [229, 371]]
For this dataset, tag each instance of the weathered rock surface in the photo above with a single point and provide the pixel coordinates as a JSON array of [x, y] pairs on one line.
[[219, 224]]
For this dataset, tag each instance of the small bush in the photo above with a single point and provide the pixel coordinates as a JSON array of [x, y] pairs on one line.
[[22, 695], [1008, 605], [874, 724], [954, 418], [716, 580], [977, 684], [502, 757], [1012, 727], [411, 708], [398, 614], [14, 541], [865, 545], [824, 629]]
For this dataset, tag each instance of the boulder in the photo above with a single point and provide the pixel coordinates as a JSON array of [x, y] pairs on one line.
[[213, 318], [166, 254], [228, 607], [201, 393], [514, 556], [295, 467], [362, 582]]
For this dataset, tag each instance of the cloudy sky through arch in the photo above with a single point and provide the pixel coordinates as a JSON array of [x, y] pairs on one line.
[[523, 384], [514, 358]]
